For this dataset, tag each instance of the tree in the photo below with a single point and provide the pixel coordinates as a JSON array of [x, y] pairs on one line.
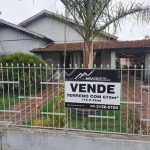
[[97, 15], [146, 37], [137, 60], [29, 77]]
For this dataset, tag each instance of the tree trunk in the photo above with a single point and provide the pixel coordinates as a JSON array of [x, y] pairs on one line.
[[94, 56], [88, 55], [91, 55]]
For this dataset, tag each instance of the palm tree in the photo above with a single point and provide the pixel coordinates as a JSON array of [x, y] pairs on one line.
[[97, 15]]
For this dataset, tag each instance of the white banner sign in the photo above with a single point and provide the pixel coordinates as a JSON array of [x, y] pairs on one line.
[[88, 88]]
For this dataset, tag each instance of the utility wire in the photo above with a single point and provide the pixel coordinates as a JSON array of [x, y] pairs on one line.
[[17, 40], [54, 41]]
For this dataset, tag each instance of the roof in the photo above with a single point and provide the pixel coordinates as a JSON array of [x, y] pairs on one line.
[[23, 29], [97, 45], [48, 13]]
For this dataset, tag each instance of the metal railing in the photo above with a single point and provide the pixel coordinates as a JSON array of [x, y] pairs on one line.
[[33, 96]]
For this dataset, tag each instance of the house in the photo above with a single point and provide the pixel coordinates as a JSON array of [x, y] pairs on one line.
[[46, 35], [122, 49], [39, 31], [106, 52], [51, 26], [14, 38]]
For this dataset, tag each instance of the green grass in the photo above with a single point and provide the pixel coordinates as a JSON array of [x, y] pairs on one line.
[[98, 124], [83, 122], [7, 101]]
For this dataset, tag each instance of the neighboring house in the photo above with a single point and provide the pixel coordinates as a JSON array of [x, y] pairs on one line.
[[14, 38]]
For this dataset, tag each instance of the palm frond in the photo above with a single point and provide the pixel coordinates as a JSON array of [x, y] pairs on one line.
[[97, 15]]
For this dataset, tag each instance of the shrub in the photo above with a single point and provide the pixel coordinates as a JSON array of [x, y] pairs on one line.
[[137, 60], [1, 56], [48, 120], [29, 77], [19, 58]]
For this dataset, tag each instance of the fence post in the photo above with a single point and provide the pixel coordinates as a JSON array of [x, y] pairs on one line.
[[1, 140]]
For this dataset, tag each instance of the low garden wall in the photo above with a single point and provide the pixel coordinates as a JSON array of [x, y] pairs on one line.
[[44, 139]]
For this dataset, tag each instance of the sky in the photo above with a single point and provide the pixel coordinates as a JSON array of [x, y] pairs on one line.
[[16, 11]]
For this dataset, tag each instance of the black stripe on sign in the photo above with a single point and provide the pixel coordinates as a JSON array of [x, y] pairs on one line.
[[93, 75], [92, 106]]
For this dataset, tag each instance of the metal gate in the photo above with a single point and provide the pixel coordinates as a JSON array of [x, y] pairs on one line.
[[34, 97]]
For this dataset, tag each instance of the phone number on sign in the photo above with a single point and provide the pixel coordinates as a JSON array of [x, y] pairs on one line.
[[107, 107]]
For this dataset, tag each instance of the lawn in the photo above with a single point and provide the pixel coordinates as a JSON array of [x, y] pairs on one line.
[[116, 121], [7, 100]]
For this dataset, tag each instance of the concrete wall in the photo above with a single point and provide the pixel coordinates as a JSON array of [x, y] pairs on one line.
[[113, 59], [41, 139]]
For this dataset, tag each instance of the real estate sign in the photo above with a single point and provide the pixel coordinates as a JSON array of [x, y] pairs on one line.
[[93, 88]]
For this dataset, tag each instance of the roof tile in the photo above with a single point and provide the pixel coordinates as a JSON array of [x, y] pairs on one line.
[[97, 45]]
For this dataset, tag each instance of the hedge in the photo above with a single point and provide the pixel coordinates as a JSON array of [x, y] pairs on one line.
[[29, 77]]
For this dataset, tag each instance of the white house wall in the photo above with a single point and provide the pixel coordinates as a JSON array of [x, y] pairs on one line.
[[54, 29], [13, 40]]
